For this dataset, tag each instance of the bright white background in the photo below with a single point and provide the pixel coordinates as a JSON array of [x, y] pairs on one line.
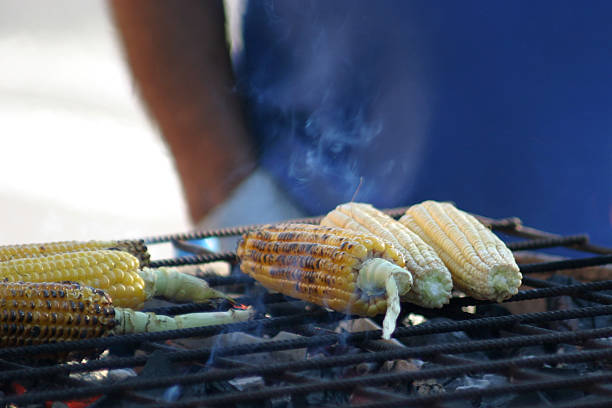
[[78, 157]]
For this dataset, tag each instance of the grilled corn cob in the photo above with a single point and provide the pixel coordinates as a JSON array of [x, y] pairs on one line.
[[35, 313], [432, 280], [114, 271], [480, 263], [347, 271], [136, 248]]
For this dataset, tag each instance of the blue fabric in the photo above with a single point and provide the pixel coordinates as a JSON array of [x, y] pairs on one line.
[[504, 107]]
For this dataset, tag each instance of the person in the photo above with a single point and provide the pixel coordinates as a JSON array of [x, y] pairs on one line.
[[501, 107]]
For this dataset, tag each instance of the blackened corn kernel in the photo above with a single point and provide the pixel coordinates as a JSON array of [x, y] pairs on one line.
[[315, 263], [25, 321]]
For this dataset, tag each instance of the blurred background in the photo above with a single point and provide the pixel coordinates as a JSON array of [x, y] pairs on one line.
[[80, 159]]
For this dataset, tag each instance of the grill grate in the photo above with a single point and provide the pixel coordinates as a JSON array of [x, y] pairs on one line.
[[446, 360]]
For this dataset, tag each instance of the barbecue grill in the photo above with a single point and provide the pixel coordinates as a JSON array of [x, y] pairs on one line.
[[549, 345]]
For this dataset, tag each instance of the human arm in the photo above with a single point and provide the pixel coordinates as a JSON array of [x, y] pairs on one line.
[[177, 52]]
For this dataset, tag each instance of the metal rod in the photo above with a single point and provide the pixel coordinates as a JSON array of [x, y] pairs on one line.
[[205, 353], [570, 240], [587, 295], [541, 292], [484, 392], [143, 383], [526, 268], [195, 259], [566, 264], [504, 224], [351, 383]]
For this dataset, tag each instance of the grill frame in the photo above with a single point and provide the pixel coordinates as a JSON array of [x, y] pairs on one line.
[[521, 328]]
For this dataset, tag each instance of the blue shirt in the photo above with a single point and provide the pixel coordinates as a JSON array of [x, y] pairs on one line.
[[504, 107]]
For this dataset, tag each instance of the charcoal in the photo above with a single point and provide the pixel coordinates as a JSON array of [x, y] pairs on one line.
[[515, 400], [566, 302], [105, 376], [239, 338], [120, 374], [330, 397], [215, 387], [427, 387], [366, 324], [569, 370], [172, 393], [559, 395], [158, 365], [461, 404], [195, 391], [399, 366], [283, 401], [327, 397], [247, 383], [442, 338], [479, 382], [360, 369], [531, 351]]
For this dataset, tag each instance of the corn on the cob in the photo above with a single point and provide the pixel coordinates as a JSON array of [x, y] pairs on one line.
[[432, 281], [136, 248], [347, 271], [480, 263], [114, 271], [36, 313]]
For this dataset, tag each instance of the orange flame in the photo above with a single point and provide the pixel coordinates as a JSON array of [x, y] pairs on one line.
[[84, 403], [18, 388]]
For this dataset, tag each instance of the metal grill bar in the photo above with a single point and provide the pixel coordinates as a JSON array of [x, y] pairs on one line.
[[441, 327], [380, 356], [593, 297], [381, 379], [472, 393], [520, 230], [531, 335], [526, 268], [548, 242], [545, 291], [598, 403], [566, 264], [134, 339], [371, 392], [504, 224], [195, 259], [143, 383]]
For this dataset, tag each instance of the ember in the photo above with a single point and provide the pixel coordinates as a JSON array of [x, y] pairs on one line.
[[548, 345]]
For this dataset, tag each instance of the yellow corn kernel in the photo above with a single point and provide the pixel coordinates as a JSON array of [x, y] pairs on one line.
[[114, 271], [136, 248], [432, 283], [344, 270], [86, 268], [480, 263]]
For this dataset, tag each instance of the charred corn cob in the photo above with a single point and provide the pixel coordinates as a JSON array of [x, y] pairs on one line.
[[114, 271], [480, 263], [432, 282], [35, 313], [350, 272], [136, 248]]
